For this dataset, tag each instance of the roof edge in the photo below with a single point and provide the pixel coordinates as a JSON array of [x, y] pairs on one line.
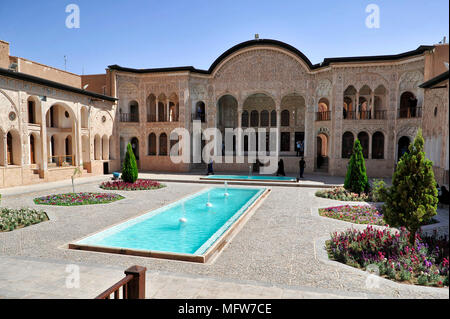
[[56, 85], [261, 42], [436, 80]]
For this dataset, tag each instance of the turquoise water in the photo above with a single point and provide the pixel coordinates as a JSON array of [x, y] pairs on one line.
[[162, 230], [253, 177]]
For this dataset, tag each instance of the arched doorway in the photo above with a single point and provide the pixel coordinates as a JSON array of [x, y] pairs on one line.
[[403, 144], [32, 150], [322, 152], [135, 146], [61, 119]]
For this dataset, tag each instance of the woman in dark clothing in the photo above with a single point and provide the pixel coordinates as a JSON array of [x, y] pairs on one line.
[[302, 165], [280, 170]]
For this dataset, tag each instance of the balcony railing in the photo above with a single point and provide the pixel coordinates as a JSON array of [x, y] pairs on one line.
[[151, 117], [410, 112], [380, 115], [323, 116], [198, 117], [129, 117], [365, 115], [133, 285], [61, 160]]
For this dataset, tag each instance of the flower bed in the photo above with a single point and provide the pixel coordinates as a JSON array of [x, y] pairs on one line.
[[74, 199], [140, 184], [360, 214], [11, 219], [340, 193], [391, 254]]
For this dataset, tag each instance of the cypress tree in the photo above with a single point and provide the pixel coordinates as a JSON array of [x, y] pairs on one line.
[[356, 180], [129, 168], [412, 199]]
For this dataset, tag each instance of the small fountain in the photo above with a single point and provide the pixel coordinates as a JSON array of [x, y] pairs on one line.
[[209, 202], [183, 219], [226, 189]]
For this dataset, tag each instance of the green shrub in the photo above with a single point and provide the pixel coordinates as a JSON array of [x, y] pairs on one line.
[[378, 190], [412, 199], [129, 169], [356, 180]]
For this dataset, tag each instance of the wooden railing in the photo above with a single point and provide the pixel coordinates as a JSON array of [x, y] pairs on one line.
[[198, 117], [380, 115], [129, 117], [133, 285], [365, 115], [323, 116], [151, 117], [410, 112], [62, 160]]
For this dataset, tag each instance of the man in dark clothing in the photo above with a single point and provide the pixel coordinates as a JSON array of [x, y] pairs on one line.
[[302, 165]]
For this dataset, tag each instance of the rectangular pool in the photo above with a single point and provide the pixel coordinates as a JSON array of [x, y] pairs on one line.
[[264, 178], [186, 229]]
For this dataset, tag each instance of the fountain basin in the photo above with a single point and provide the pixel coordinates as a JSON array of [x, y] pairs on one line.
[[160, 233]]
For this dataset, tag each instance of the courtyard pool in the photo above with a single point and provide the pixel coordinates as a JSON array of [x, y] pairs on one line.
[[265, 178], [186, 229]]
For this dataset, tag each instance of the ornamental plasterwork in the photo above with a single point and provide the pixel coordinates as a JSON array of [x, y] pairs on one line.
[[324, 88], [411, 80], [262, 66]]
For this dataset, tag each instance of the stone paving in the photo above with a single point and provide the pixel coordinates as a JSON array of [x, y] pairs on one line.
[[277, 250]]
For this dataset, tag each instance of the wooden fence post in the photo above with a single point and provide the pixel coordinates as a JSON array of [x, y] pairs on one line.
[[136, 287]]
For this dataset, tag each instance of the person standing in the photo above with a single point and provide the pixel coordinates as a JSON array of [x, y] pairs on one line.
[[210, 168], [302, 147], [297, 146], [280, 170], [302, 165]]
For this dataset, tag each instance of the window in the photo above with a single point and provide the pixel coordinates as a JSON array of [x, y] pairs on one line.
[[265, 118], [31, 112], [285, 118], [152, 144], [163, 144], [273, 118], [347, 144], [254, 118], [363, 138], [244, 119], [285, 141], [378, 145]]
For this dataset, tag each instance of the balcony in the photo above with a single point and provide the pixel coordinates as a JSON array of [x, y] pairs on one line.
[[151, 117], [61, 161], [323, 116], [198, 117], [410, 112], [129, 117], [365, 115]]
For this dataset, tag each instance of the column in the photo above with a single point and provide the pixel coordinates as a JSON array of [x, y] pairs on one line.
[[168, 110], [157, 111], [372, 105], [4, 159], [357, 106], [44, 154], [278, 109], [239, 137]]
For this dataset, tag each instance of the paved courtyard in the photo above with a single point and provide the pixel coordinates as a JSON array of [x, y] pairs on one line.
[[278, 253]]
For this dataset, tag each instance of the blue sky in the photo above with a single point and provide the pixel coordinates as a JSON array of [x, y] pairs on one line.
[[147, 34]]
